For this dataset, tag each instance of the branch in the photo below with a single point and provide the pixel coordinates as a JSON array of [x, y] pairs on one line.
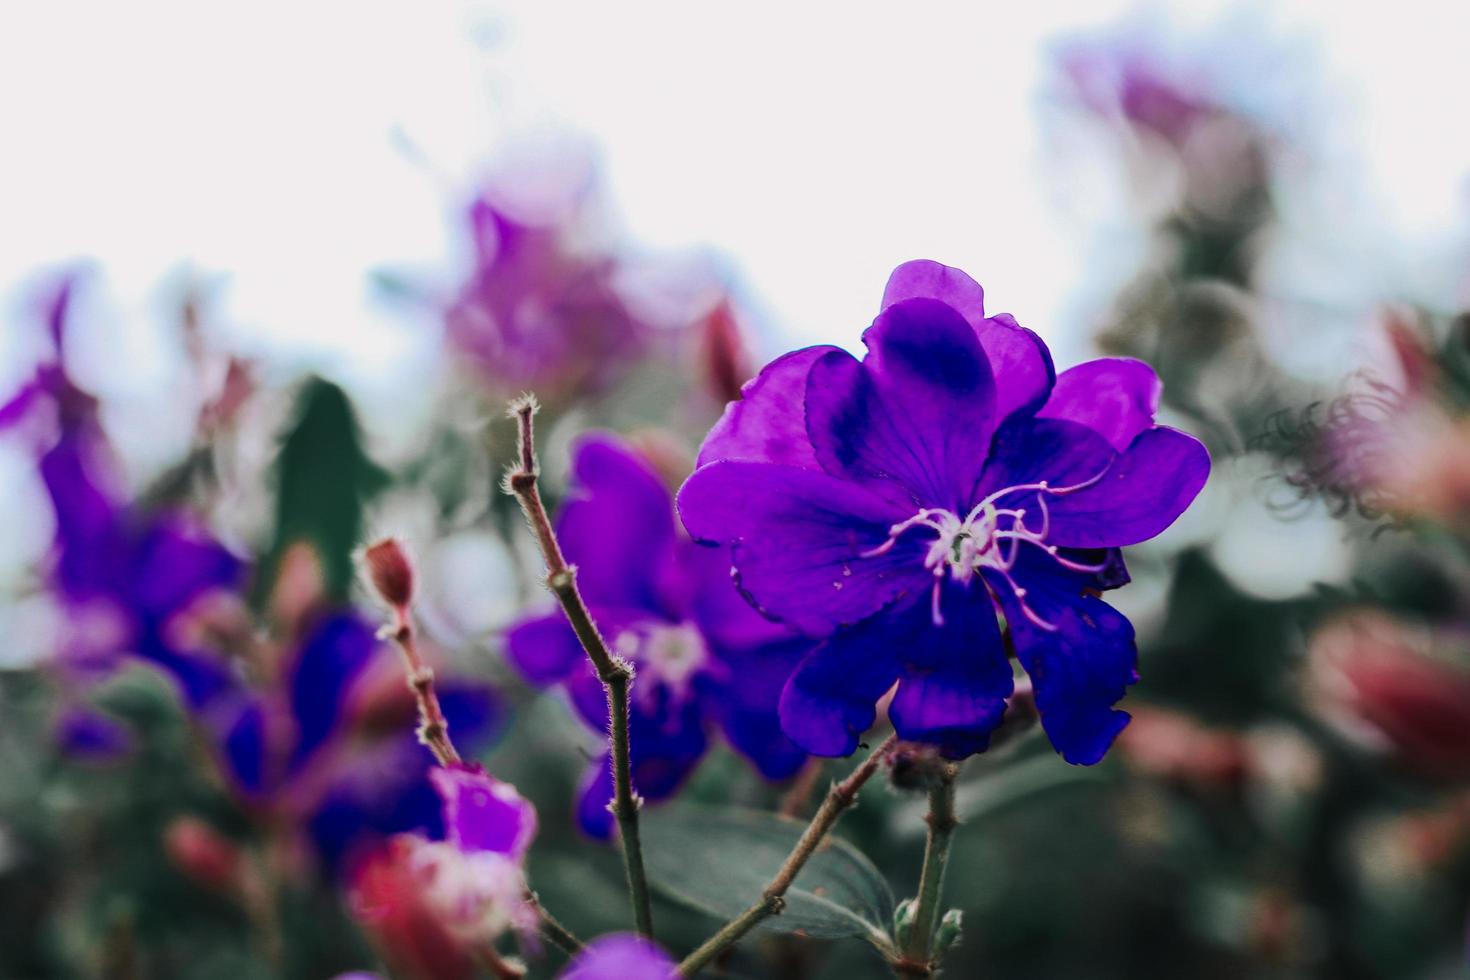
[[616, 674], [839, 798]]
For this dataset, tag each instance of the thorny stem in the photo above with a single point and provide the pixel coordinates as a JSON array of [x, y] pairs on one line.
[[433, 728], [616, 674], [558, 934], [839, 798], [917, 959]]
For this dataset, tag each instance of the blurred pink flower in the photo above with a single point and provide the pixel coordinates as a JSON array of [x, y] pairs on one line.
[[1377, 679]]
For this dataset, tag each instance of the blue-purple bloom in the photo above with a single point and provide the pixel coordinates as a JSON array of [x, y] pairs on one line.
[[300, 749], [620, 956], [125, 578], [665, 604], [896, 504]]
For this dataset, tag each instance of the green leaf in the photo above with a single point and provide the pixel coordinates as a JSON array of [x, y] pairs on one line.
[[720, 859], [323, 479]]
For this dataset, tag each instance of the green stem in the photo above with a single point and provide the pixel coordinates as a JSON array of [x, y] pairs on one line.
[[917, 956], [615, 673], [839, 798], [558, 934]]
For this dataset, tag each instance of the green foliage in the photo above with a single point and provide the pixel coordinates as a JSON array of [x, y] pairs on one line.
[[718, 859], [323, 479]]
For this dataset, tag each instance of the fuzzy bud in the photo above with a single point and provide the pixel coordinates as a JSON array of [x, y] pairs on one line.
[[903, 920], [949, 931], [390, 571], [204, 854]]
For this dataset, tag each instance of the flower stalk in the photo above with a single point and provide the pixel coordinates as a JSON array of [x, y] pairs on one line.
[[615, 673], [917, 955], [391, 574], [773, 899]]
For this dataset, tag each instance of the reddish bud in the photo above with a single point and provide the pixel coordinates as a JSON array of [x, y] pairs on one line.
[[1378, 679], [1173, 746], [727, 362], [204, 854], [388, 898], [390, 571]]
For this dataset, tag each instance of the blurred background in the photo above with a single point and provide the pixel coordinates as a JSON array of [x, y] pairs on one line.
[[269, 273]]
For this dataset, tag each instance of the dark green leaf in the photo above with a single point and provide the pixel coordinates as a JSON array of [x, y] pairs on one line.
[[323, 478], [719, 859]]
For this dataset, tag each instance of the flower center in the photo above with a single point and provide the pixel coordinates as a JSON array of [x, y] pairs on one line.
[[988, 537], [665, 653]]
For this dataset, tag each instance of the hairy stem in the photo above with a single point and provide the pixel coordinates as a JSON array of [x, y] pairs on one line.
[[773, 899], [615, 673], [433, 729], [917, 955], [556, 933]]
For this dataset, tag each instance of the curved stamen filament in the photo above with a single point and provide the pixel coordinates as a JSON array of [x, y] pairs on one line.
[[977, 542]]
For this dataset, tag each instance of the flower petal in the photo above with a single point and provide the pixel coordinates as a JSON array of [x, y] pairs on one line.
[[481, 813], [832, 698], [1116, 397], [1018, 359], [1080, 669], [621, 957], [913, 421], [617, 525], [1030, 450], [799, 537], [956, 677], [746, 701], [767, 424], [544, 648], [1145, 491], [333, 657]]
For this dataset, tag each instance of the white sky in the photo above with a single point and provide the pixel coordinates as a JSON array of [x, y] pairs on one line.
[[814, 146]]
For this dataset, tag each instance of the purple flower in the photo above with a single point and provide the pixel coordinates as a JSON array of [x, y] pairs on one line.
[[665, 604], [620, 956], [431, 902], [536, 312], [301, 749], [124, 577], [896, 504]]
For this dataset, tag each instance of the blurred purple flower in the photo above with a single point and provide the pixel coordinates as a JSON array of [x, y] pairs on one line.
[[89, 735], [1121, 78], [537, 313], [665, 604], [431, 902], [620, 956], [125, 578], [300, 749], [895, 504]]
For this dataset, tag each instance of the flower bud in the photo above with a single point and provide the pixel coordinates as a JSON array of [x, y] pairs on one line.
[[390, 572], [727, 363], [1380, 681], [914, 767], [903, 920], [204, 854], [949, 931]]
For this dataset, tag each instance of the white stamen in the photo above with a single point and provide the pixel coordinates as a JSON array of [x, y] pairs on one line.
[[965, 546]]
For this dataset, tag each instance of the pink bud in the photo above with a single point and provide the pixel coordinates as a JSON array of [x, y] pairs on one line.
[[727, 363], [204, 854], [390, 571], [1380, 681]]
